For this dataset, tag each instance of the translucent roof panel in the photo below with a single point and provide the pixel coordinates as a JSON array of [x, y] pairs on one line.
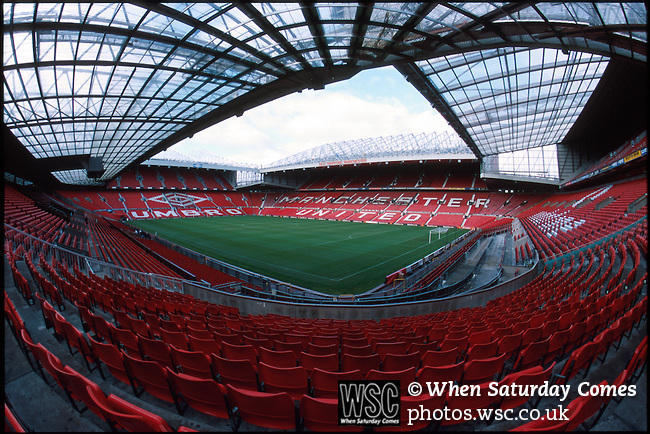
[[124, 81], [515, 98], [398, 147]]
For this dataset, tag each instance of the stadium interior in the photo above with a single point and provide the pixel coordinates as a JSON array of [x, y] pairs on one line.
[[546, 175]]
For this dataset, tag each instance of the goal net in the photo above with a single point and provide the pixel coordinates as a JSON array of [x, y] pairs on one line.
[[436, 233]]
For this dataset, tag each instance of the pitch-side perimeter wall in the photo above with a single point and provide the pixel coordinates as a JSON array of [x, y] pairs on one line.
[[253, 306]]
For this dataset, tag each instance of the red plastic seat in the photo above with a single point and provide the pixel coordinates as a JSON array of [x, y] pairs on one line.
[[240, 373], [322, 350], [295, 347], [280, 359], [532, 376], [121, 414], [177, 339], [325, 340], [194, 363], [365, 364], [126, 340], [399, 362], [268, 410], [405, 377], [113, 358], [150, 377], [156, 350], [583, 408], [483, 370], [290, 380], [440, 358], [202, 394], [440, 373], [383, 348], [579, 359], [76, 386], [321, 415], [482, 350], [460, 343], [510, 344], [557, 345], [325, 383], [328, 362], [206, 346], [239, 352], [532, 355], [199, 333]]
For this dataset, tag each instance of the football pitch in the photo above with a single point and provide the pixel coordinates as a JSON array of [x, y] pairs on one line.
[[330, 256]]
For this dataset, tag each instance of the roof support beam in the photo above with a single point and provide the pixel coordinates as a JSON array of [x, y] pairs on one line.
[[415, 76]]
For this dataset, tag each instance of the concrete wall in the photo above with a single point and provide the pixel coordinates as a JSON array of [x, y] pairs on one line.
[[254, 306]]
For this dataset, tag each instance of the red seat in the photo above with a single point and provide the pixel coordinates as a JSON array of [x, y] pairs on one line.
[[557, 345], [482, 350], [202, 394], [121, 414], [280, 359], [239, 352], [199, 333], [322, 350], [325, 383], [510, 344], [483, 370], [206, 346], [440, 358], [350, 362], [269, 410], [532, 376], [322, 415], [383, 348], [240, 373], [399, 362], [295, 347], [579, 359], [440, 373], [150, 377], [177, 339], [460, 343], [532, 355], [156, 350], [193, 363], [77, 386], [126, 340], [405, 377], [583, 408], [112, 358], [290, 380], [329, 362]]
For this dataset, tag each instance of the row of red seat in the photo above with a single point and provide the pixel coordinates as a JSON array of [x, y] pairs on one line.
[[118, 249], [170, 178], [201, 271]]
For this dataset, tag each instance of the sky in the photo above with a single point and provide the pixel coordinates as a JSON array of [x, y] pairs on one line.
[[377, 102]]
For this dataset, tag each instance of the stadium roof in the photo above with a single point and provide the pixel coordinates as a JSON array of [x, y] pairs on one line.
[[116, 83], [377, 149]]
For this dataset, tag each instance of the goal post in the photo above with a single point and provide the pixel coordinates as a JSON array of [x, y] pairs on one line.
[[433, 232]]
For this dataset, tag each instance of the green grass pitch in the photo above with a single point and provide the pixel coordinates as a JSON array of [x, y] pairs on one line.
[[329, 256]]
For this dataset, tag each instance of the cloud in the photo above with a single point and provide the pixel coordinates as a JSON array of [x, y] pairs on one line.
[[304, 120]]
